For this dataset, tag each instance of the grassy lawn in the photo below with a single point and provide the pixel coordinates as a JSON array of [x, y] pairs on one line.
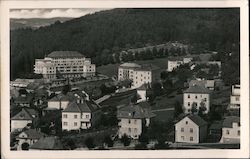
[[166, 102], [164, 115], [112, 69]]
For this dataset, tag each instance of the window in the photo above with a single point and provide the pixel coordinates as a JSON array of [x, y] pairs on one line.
[[182, 137], [65, 123], [188, 103], [129, 121], [186, 122], [188, 95], [189, 110], [129, 129], [87, 116], [205, 99], [195, 97], [237, 98], [191, 130], [182, 129], [75, 123], [227, 132], [135, 130], [75, 116], [65, 116], [191, 138], [238, 132], [135, 121]]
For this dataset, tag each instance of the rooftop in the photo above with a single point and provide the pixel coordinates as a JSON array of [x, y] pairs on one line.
[[65, 54], [130, 65], [48, 143], [85, 106], [25, 114], [135, 111], [197, 89], [32, 134], [228, 121], [195, 118]]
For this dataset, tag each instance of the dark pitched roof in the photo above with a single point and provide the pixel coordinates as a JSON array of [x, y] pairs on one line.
[[24, 114], [135, 111], [22, 99], [228, 121], [197, 120], [197, 89], [65, 54], [32, 134], [62, 97], [130, 65], [48, 143], [85, 106], [143, 87]]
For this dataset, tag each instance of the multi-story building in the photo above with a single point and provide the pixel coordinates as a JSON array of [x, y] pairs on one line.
[[173, 63], [80, 114], [196, 96], [235, 97], [231, 130], [190, 129], [68, 64], [133, 118], [138, 74]]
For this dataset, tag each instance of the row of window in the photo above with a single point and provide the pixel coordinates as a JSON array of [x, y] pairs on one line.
[[75, 116], [129, 121], [190, 139], [130, 129], [190, 130]]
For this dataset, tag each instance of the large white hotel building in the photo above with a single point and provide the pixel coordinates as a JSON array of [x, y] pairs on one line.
[[69, 64], [138, 74]]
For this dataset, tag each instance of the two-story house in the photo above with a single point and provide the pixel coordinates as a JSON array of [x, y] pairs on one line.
[[80, 114], [133, 118], [196, 96], [231, 130], [190, 129]]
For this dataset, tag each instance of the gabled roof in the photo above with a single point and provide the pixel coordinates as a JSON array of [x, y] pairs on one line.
[[135, 111], [143, 87], [228, 121], [48, 143], [22, 99], [32, 134], [195, 118], [65, 54], [84, 106], [197, 89], [130, 65], [24, 114]]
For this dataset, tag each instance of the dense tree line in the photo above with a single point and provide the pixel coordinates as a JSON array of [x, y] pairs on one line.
[[105, 33]]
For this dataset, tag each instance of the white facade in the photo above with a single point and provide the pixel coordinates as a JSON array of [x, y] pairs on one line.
[[235, 97], [19, 124], [130, 127], [231, 135], [173, 65], [58, 104], [188, 131], [196, 98], [68, 66], [136, 73], [75, 120], [142, 94]]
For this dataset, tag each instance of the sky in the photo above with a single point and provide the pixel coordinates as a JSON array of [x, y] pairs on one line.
[[51, 13]]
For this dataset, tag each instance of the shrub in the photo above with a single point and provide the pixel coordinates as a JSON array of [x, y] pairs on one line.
[[89, 142], [125, 140]]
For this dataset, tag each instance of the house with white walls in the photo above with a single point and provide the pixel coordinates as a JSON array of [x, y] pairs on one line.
[[231, 130], [191, 129], [196, 96], [133, 118], [235, 97]]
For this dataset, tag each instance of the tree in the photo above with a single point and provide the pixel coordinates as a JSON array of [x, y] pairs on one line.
[[194, 108], [71, 144], [89, 142], [25, 146], [107, 140], [202, 109], [66, 89], [177, 109], [125, 140]]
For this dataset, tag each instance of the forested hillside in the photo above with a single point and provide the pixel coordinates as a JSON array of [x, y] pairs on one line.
[[104, 33]]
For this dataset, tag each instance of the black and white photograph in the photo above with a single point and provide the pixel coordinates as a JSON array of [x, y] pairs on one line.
[[125, 78]]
